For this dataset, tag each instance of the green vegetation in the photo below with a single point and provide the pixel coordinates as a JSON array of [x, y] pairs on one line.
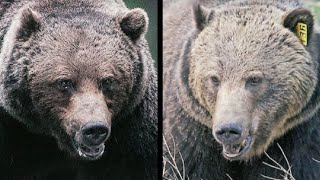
[[315, 8]]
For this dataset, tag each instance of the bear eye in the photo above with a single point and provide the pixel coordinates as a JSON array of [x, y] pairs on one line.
[[215, 81], [254, 81], [65, 85], [106, 84]]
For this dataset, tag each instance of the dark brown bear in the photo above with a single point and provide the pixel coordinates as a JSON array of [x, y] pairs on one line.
[[240, 78], [78, 91]]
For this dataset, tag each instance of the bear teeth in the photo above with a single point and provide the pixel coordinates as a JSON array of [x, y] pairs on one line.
[[90, 152], [234, 151], [235, 148], [243, 143]]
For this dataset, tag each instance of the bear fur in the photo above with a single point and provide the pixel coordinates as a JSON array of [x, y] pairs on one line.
[[100, 46], [241, 62]]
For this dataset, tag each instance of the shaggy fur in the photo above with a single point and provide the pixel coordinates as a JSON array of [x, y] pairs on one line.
[[86, 41], [210, 58]]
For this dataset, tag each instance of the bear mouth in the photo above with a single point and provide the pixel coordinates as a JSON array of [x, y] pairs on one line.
[[237, 151], [91, 152]]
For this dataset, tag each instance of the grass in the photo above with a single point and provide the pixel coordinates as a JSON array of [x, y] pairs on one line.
[[316, 160], [287, 173], [171, 171], [170, 157]]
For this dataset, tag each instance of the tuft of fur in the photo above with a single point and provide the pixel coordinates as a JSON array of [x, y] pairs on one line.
[[85, 41], [210, 55]]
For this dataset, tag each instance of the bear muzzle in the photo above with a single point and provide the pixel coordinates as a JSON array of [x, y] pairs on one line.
[[91, 138], [236, 141]]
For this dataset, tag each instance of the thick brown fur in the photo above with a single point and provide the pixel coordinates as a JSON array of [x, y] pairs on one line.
[[85, 41], [210, 55]]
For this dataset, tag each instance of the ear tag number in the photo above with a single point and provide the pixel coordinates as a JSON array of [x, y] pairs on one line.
[[302, 33]]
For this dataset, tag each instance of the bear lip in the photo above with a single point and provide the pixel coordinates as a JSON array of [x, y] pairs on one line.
[[91, 152], [237, 151]]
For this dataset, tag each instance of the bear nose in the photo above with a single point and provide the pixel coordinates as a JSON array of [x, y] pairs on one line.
[[94, 133], [229, 133]]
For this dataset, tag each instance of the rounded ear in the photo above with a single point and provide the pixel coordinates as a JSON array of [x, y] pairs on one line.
[[135, 23], [300, 22], [202, 16], [29, 23]]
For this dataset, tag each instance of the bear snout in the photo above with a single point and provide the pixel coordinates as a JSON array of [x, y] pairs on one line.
[[229, 133], [94, 133], [235, 139], [90, 139]]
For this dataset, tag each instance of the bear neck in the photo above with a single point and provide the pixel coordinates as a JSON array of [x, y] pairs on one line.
[[313, 106], [183, 91], [139, 118]]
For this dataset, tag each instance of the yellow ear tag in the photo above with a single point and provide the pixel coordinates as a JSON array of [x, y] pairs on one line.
[[302, 33]]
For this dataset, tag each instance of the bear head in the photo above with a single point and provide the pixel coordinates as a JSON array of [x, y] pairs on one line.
[[70, 72], [252, 70]]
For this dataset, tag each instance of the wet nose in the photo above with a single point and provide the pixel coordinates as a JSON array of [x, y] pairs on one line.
[[94, 133], [229, 133]]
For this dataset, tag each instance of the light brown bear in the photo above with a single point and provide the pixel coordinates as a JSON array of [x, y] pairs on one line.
[[241, 77]]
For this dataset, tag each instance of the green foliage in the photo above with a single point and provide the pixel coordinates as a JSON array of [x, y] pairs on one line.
[[314, 5]]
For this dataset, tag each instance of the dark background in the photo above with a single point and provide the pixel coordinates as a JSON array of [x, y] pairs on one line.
[[151, 7]]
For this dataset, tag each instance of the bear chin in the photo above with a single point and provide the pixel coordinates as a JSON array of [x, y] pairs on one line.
[[90, 153], [79, 151], [238, 151]]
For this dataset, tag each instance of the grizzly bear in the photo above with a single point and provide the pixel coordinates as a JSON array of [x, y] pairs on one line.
[[78, 91], [241, 90]]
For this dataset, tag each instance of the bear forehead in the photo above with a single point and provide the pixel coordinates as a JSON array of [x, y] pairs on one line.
[[79, 67], [85, 58], [245, 24], [248, 36], [71, 40], [94, 21], [65, 41], [241, 41], [78, 7], [68, 50]]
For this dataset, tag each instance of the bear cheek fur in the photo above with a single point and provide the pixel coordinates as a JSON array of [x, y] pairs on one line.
[[288, 75]]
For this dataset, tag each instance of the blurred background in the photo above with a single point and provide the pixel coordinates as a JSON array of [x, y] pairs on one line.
[[151, 7], [314, 5]]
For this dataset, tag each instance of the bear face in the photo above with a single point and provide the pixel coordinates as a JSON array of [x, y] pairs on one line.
[[72, 76], [92, 86], [252, 74]]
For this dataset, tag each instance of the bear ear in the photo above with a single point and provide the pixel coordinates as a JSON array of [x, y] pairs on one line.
[[202, 16], [135, 23], [29, 23], [300, 22]]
